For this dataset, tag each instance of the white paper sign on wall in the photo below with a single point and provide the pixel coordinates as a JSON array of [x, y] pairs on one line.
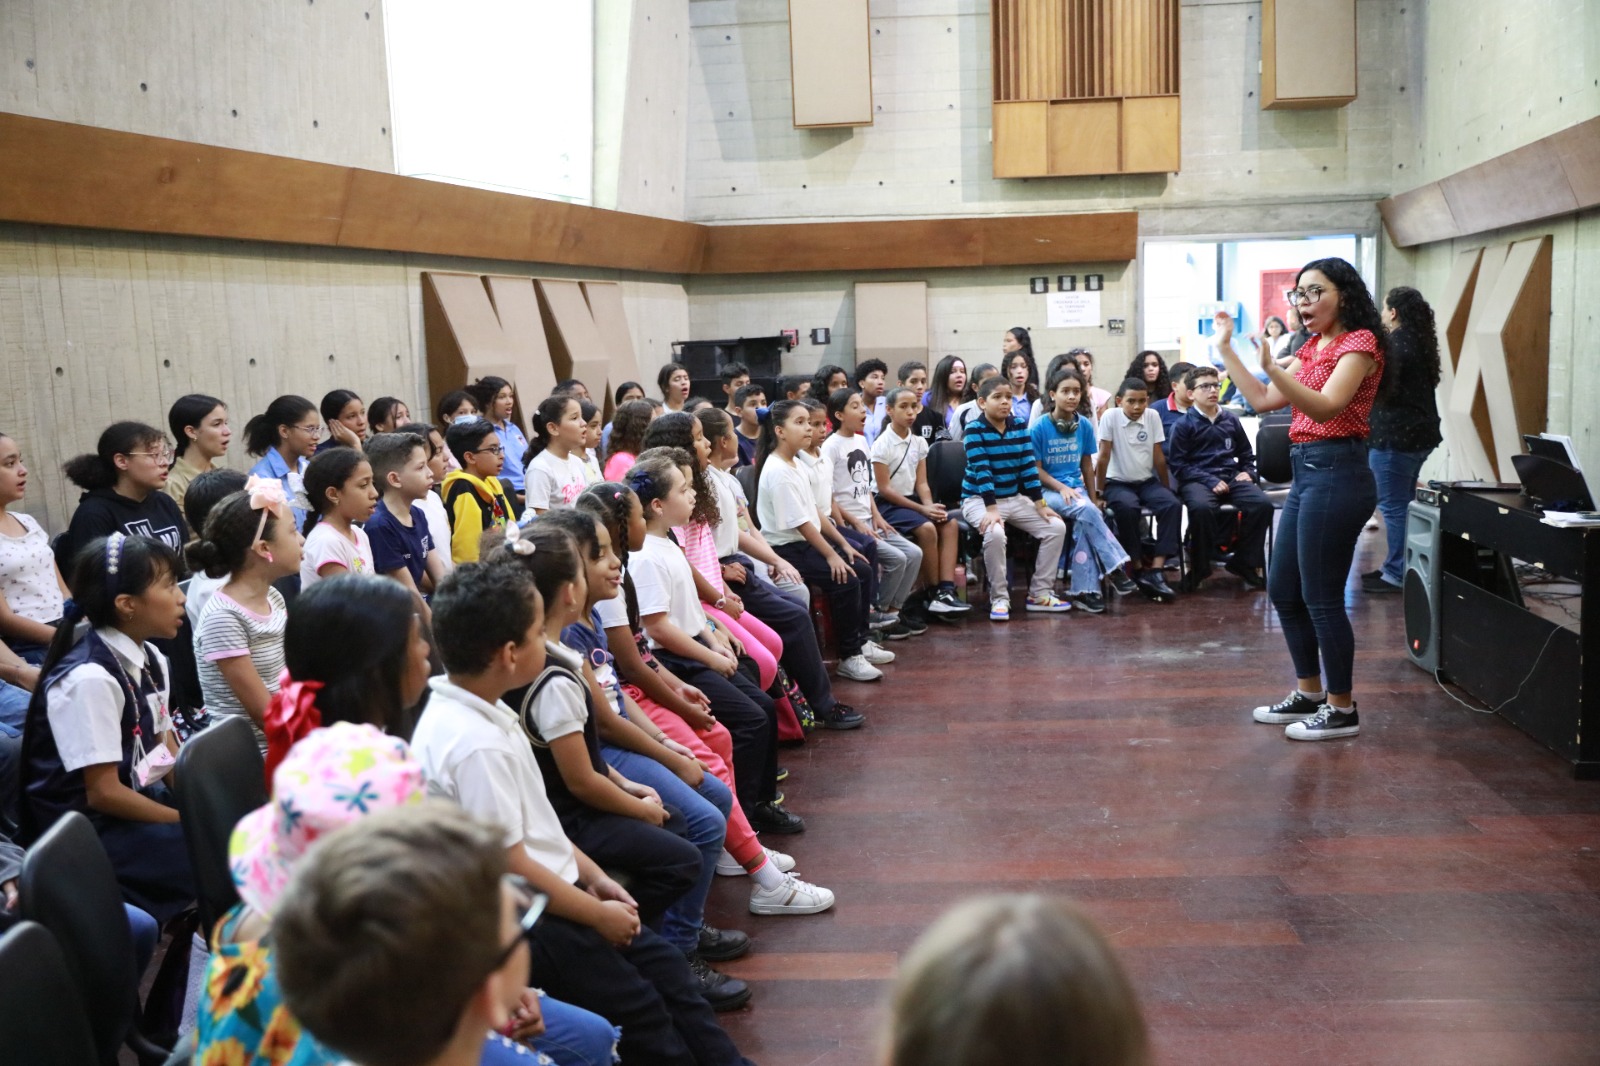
[[1072, 310]]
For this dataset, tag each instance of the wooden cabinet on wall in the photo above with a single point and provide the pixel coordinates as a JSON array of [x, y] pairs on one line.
[[1085, 87], [1308, 54]]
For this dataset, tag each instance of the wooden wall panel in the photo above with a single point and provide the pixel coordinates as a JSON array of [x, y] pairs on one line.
[[830, 63], [1295, 76], [1086, 60], [912, 243], [622, 363], [1452, 310], [61, 174], [469, 335], [1150, 134], [1552, 176], [576, 348], [892, 321], [1021, 139], [1085, 136]]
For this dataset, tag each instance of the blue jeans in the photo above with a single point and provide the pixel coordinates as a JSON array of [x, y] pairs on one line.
[[1330, 500], [1396, 475], [706, 812], [574, 1036], [14, 701], [1095, 549]]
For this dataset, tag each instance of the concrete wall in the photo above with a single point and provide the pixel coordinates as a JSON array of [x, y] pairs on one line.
[[1244, 171], [1496, 78], [97, 326]]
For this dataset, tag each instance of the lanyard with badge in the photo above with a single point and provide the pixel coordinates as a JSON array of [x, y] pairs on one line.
[[154, 761]]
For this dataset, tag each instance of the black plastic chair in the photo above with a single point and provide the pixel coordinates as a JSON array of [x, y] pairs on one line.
[[1272, 453], [746, 476], [69, 887], [42, 1017], [220, 778]]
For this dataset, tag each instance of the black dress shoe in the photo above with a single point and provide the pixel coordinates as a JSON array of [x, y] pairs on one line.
[[1247, 574], [721, 945], [843, 716], [722, 992], [1378, 585], [770, 818]]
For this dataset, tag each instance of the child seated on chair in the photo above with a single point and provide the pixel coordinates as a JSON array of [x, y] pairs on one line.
[[1131, 471], [905, 501], [1001, 487], [1063, 448]]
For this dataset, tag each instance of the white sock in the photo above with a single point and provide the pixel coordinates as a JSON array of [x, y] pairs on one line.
[[1320, 696], [766, 875]]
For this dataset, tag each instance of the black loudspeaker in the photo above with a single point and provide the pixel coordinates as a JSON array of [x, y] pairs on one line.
[[1421, 585]]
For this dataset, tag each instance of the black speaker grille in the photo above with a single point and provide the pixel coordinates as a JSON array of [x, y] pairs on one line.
[[1419, 614]]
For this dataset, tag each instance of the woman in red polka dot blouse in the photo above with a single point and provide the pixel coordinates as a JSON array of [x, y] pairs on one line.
[[1331, 384]]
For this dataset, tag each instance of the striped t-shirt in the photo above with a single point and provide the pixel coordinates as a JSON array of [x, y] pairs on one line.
[[999, 464], [228, 630]]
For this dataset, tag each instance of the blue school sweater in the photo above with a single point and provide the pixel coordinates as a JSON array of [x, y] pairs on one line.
[[999, 464]]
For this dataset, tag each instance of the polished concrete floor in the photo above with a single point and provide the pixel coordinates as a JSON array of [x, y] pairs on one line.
[[1425, 894]]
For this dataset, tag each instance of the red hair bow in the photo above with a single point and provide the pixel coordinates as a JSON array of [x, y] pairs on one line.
[[291, 715]]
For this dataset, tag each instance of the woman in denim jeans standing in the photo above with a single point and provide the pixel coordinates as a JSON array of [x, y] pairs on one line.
[[1405, 423], [1331, 384]]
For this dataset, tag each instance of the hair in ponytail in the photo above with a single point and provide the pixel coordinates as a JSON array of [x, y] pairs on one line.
[[328, 469], [187, 412], [229, 534], [771, 418], [261, 432], [838, 400], [98, 469], [551, 409], [555, 560], [611, 502]]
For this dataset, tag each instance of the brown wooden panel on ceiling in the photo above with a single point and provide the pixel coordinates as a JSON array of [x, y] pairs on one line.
[[64, 174], [1084, 59], [1554, 175], [1308, 54], [830, 63]]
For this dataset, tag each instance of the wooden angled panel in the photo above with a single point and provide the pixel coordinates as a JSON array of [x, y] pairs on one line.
[[1150, 134], [1021, 139], [468, 335], [611, 319], [1513, 339], [892, 321], [1523, 184], [576, 347], [1321, 75], [1085, 137], [1451, 312], [1467, 414], [1419, 216], [830, 63]]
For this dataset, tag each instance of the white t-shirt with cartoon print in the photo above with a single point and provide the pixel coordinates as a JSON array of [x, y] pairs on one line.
[[853, 480]]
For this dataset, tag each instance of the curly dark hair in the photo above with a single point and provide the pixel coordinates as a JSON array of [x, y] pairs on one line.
[[675, 429], [1415, 338], [627, 428], [1356, 309], [1161, 388]]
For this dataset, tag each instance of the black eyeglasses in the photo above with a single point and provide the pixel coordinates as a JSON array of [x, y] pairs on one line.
[[493, 449], [531, 903]]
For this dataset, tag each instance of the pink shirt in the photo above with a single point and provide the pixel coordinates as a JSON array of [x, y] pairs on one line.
[[618, 465], [700, 546], [1315, 370]]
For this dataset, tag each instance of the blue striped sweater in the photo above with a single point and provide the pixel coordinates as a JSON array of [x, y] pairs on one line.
[[999, 464]]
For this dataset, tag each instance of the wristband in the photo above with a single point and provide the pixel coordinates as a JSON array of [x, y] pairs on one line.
[[721, 602]]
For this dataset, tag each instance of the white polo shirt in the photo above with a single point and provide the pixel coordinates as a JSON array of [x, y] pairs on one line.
[[85, 705], [477, 754], [1132, 444], [663, 582]]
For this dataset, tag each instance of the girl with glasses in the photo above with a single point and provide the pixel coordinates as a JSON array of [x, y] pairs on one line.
[[285, 437], [1331, 385], [122, 481]]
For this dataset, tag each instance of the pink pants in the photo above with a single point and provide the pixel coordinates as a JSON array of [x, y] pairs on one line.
[[714, 747]]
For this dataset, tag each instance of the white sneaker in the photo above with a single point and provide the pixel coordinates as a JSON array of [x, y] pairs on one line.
[[875, 654], [728, 866], [794, 896], [856, 668]]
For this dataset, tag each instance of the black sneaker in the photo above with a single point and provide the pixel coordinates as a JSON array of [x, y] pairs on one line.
[[1121, 583], [945, 602], [783, 774], [1154, 585], [722, 992], [914, 621], [1377, 585], [722, 945], [843, 716], [898, 631], [1296, 707], [1373, 573], [1329, 723], [1092, 602], [1252, 577], [768, 817]]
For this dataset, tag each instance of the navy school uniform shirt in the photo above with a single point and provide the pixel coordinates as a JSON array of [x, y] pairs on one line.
[[395, 547], [1205, 452], [747, 448]]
